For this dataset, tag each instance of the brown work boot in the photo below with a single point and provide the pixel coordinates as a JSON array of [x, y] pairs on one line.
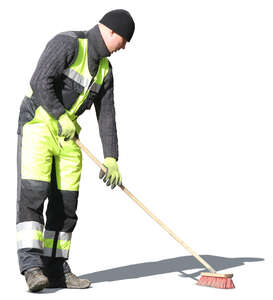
[[69, 281], [35, 279]]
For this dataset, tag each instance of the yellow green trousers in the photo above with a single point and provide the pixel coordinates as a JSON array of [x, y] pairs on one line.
[[47, 168]]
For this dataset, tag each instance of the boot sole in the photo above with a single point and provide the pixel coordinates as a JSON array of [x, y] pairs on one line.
[[62, 284], [78, 287], [67, 286]]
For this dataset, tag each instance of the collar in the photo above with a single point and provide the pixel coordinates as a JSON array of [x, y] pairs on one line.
[[96, 49]]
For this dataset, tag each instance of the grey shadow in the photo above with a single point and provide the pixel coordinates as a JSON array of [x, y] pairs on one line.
[[177, 264]]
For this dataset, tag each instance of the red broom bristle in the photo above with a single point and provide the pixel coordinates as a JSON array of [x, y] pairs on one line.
[[217, 282]]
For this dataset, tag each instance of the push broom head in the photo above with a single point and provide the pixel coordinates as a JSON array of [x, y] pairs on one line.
[[220, 281]]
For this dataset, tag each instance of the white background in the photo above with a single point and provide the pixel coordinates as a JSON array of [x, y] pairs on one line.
[[193, 95]]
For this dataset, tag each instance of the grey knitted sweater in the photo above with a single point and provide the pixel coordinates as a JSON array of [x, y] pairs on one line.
[[55, 92]]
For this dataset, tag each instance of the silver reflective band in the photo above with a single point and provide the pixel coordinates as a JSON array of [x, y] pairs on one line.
[[83, 81], [47, 252], [62, 236], [62, 253], [65, 236], [29, 235], [28, 225], [29, 243], [49, 234]]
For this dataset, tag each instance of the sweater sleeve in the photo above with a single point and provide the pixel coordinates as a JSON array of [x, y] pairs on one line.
[[105, 111], [57, 56]]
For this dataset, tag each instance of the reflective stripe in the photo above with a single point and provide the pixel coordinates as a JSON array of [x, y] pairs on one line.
[[47, 252], [59, 252], [64, 245], [62, 253], [80, 65], [29, 225], [29, 235], [48, 243], [83, 81], [49, 234], [79, 72], [29, 244], [65, 236], [49, 240]]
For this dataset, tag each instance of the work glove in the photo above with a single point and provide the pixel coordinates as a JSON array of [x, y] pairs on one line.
[[66, 127], [112, 175]]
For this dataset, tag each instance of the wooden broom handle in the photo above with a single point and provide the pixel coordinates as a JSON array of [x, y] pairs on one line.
[[101, 166]]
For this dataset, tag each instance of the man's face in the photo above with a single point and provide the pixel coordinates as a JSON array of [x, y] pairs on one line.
[[115, 42]]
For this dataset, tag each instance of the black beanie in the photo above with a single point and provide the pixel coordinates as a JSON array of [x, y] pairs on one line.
[[121, 22]]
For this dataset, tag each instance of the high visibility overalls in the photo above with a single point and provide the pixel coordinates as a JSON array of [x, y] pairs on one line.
[[49, 167]]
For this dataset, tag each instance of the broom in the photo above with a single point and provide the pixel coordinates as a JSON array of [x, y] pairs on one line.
[[211, 278]]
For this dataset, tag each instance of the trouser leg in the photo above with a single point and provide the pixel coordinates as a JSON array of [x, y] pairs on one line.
[[61, 209], [31, 194]]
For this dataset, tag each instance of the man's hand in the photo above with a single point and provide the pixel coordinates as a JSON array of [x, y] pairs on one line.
[[112, 176], [66, 127]]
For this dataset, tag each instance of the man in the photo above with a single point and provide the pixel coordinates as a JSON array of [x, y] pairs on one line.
[[73, 73]]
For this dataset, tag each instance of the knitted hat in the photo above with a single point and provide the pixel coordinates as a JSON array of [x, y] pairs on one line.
[[121, 22]]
